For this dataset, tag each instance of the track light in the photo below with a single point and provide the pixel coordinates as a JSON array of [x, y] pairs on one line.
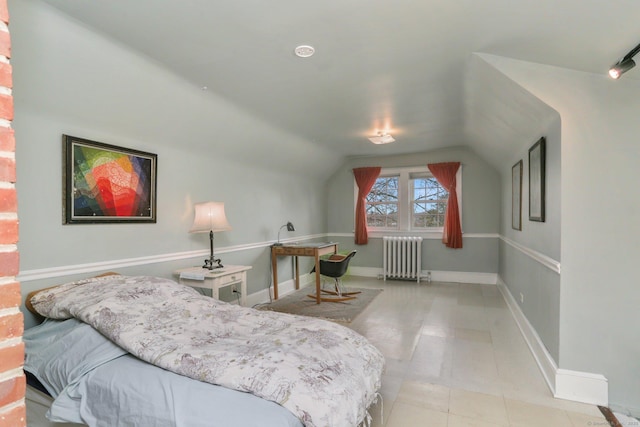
[[625, 64], [621, 67]]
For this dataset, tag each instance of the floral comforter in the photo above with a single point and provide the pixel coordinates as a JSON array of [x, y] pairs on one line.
[[324, 373]]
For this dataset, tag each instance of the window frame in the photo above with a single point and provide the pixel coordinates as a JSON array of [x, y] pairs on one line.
[[405, 201]]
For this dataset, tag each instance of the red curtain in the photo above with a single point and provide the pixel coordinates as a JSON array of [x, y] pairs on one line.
[[365, 178], [445, 173]]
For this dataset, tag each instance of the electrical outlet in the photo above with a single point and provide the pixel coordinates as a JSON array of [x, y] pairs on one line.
[[234, 289], [521, 298]]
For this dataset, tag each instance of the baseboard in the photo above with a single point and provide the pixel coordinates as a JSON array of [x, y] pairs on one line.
[[544, 360], [284, 288], [582, 387], [462, 277], [436, 276]]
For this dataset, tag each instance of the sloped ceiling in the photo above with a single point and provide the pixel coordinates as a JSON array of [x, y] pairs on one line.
[[501, 116], [404, 65]]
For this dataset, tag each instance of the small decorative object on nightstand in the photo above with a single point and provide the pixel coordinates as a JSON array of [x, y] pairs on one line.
[[230, 275]]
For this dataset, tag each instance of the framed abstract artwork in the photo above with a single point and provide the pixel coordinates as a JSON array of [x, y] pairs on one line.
[[516, 196], [536, 181], [105, 184]]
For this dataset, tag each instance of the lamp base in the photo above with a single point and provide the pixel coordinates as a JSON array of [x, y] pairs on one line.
[[212, 263]]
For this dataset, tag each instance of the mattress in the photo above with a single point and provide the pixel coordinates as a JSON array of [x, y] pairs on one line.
[[93, 382]]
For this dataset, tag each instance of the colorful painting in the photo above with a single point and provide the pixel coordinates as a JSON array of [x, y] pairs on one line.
[[105, 183]]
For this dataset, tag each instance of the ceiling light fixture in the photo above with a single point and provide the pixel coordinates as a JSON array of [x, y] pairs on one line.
[[625, 64], [382, 138], [304, 51]]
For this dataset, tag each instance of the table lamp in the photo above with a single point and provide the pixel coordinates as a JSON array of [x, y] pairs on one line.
[[210, 217]]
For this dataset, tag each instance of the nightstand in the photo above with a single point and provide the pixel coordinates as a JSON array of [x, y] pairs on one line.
[[198, 277]]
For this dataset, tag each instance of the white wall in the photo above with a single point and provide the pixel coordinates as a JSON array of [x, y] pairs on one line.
[[68, 80], [599, 320]]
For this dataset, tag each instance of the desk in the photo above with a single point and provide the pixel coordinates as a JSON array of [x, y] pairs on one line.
[[309, 249], [198, 277]]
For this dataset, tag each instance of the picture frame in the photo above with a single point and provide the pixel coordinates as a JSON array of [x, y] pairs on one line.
[[537, 159], [516, 196], [104, 183]]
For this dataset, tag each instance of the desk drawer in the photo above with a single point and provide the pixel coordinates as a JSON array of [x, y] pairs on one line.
[[226, 280], [296, 251]]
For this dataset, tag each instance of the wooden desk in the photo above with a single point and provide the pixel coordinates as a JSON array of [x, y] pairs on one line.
[[229, 275], [309, 249]]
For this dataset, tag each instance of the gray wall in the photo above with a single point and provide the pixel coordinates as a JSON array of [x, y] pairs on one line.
[[534, 285], [599, 295], [480, 212], [68, 80]]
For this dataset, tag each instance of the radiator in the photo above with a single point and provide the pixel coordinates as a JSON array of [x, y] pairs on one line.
[[402, 257]]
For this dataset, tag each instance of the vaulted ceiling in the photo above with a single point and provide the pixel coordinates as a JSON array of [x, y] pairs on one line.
[[400, 65]]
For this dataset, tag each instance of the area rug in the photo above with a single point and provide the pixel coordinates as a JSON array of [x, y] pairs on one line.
[[344, 312]]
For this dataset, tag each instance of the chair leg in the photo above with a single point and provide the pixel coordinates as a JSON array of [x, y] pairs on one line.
[[340, 290], [339, 294]]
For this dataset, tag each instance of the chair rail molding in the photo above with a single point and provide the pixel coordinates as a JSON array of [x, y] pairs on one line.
[[548, 262], [68, 270]]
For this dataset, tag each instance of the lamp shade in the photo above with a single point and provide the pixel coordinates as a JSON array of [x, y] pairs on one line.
[[208, 217]]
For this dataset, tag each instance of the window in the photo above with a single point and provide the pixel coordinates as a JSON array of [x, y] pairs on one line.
[[429, 201], [407, 199], [382, 203]]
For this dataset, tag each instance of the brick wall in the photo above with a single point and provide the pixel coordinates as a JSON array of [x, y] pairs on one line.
[[12, 381]]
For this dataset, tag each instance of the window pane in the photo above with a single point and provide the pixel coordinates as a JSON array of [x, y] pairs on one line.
[[382, 203], [429, 203]]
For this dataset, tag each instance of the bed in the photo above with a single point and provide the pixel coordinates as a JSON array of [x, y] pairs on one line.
[[140, 350]]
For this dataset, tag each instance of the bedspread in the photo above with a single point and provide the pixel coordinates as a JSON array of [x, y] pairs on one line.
[[324, 373]]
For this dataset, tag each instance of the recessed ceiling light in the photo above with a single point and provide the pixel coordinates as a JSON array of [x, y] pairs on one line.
[[304, 51]]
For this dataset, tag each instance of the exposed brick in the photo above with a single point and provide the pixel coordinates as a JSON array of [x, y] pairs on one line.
[[8, 232], [4, 11], [7, 139], [9, 264], [17, 417], [8, 200], [11, 326], [12, 390], [6, 106], [11, 358], [7, 169], [10, 295], [5, 44], [5, 75]]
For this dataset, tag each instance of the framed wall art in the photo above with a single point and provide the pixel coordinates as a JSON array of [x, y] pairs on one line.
[[106, 184], [536, 181], [516, 196]]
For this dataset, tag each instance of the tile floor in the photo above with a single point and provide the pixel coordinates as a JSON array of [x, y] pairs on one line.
[[456, 358]]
